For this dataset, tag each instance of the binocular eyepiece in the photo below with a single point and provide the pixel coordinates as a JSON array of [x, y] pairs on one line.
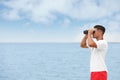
[[86, 32]]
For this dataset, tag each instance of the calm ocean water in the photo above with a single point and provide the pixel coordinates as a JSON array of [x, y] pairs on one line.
[[52, 61]]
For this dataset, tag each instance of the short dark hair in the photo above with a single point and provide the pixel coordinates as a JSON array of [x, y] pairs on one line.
[[100, 27]]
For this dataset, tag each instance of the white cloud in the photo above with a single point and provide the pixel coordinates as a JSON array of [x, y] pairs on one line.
[[66, 23], [117, 17], [37, 11], [43, 10], [11, 15], [104, 12]]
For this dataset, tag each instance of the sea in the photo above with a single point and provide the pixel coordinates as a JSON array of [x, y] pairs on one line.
[[52, 61]]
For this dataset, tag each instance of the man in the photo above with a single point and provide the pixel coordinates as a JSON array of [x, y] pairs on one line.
[[95, 41]]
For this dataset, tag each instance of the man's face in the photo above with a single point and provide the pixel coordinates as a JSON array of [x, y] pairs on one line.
[[96, 34]]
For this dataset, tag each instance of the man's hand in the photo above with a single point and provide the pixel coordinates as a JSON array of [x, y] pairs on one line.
[[90, 31], [86, 36], [91, 43]]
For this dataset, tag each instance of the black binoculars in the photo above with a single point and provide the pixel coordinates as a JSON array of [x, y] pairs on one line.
[[86, 32]]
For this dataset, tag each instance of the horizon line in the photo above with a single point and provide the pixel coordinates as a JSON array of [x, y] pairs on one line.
[[49, 42]]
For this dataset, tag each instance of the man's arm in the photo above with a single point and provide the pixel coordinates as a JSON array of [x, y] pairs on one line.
[[83, 42], [91, 43]]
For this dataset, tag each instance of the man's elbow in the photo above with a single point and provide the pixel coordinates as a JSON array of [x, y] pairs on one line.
[[83, 46]]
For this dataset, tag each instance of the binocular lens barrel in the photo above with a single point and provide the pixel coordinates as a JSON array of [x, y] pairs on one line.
[[86, 32]]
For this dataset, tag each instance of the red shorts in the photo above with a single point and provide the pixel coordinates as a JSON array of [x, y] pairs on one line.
[[102, 75]]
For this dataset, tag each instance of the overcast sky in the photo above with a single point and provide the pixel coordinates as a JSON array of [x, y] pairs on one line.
[[57, 20]]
